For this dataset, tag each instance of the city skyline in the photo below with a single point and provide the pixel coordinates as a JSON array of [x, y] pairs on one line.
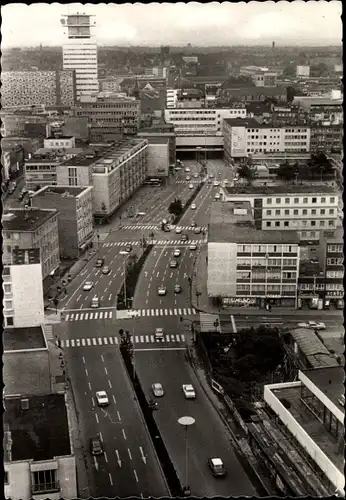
[[180, 24]]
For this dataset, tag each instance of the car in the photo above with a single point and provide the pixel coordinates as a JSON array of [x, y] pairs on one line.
[[178, 230], [166, 229], [189, 391], [141, 214], [211, 176], [177, 168], [99, 262], [190, 186], [157, 390], [87, 286], [177, 289], [173, 264], [184, 237], [217, 196], [197, 230], [126, 250], [161, 290], [195, 176], [314, 325], [193, 224], [102, 398], [193, 206], [177, 252], [188, 178], [216, 183], [95, 302], [159, 334], [96, 446], [106, 270], [187, 169], [217, 467], [220, 173], [193, 246]]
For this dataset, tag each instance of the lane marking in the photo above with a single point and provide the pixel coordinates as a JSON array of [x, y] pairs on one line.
[[123, 431], [97, 418], [135, 473], [119, 417], [129, 452], [110, 478]]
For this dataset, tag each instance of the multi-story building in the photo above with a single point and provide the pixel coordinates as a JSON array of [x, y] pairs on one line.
[[171, 98], [190, 98], [284, 116], [261, 77], [23, 290], [158, 157], [160, 131], [32, 228], [110, 118], [248, 265], [307, 209], [19, 124], [80, 52], [331, 251], [157, 71], [115, 172], [325, 109], [245, 137], [59, 142], [303, 71], [75, 218], [200, 127], [38, 87], [327, 137], [229, 96], [38, 456]]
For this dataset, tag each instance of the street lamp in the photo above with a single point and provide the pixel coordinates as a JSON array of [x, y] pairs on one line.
[[186, 422]]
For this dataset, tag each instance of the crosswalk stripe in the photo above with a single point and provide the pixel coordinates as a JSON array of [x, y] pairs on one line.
[[77, 342], [152, 338], [184, 311], [156, 312], [82, 316], [173, 339], [161, 312], [179, 312], [88, 341], [142, 338], [152, 312], [83, 342], [91, 315], [110, 314], [105, 340], [147, 338], [94, 341], [67, 317], [166, 312], [139, 312], [72, 342], [86, 315], [96, 315], [111, 341], [136, 339], [182, 338], [116, 340], [194, 311], [175, 311], [167, 338], [99, 339], [101, 315], [171, 312]]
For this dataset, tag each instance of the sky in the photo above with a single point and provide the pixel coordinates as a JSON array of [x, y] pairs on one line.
[[255, 23]]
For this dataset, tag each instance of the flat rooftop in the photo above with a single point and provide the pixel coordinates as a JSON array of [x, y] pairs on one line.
[[70, 190], [312, 426], [68, 151], [40, 432], [231, 212], [313, 348], [234, 233], [97, 154], [279, 190], [19, 219], [330, 381], [53, 137], [17, 339]]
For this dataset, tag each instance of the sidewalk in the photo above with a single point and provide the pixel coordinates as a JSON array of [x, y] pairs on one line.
[[204, 304]]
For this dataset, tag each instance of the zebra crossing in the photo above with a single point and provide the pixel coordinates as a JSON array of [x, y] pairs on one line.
[[88, 316], [184, 228], [155, 242], [111, 341], [192, 181], [187, 311]]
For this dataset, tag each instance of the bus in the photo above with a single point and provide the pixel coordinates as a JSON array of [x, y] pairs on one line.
[[152, 182]]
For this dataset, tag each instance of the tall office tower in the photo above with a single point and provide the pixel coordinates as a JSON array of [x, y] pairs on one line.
[[80, 52]]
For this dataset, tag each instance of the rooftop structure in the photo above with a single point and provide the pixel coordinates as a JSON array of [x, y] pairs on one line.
[[311, 349], [280, 189], [18, 219], [18, 339]]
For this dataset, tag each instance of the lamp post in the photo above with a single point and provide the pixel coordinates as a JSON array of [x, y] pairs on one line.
[[186, 422]]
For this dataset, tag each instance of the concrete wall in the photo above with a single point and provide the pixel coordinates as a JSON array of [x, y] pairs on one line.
[[27, 295], [222, 269], [26, 372], [158, 160]]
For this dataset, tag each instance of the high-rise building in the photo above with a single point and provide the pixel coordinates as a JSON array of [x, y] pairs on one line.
[[80, 52]]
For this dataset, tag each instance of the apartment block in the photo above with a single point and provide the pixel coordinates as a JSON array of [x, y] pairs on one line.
[[59, 142], [110, 118], [262, 77], [115, 171], [32, 228], [249, 266], [38, 454], [331, 252], [26, 88], [244, 137], [171, 98], [22, 289], [305, 209], [75, 219]]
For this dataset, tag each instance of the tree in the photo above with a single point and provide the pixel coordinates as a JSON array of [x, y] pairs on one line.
[[131, 262], [176, 207], [286, 171], [248, 172], [126, 345]]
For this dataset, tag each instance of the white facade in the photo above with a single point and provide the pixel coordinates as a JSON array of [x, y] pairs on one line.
[[59, 142], [23, 296], [171, 98], [158, 160], [303, 71], [80, 53]]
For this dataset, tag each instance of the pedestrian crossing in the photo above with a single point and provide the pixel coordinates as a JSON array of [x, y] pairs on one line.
[[143, 228], [192, 181], [111, 341], [88, 316], [154, 242], [187, 311]]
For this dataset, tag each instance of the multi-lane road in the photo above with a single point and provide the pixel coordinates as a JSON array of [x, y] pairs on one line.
[[89, 338]]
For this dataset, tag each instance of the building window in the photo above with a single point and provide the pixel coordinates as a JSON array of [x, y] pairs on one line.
[[296, 200], [305, 212], [6, 480], [269, 212], [313, 223], [7, 288], [277, 224], [322, 211], [269, 201], [295, 212], [287, 200], [268, 224], [8, 305], [278, 200], [305, 200], [332, 199], [313, 211], [287, 212], [323, 200], [286, 223], [44, 480], [331, 211], [314, 200], [9, 320]]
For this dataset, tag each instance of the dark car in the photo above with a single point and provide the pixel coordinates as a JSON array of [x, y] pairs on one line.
[[217, 467], [100, 262], [177, 289], [184, 237], [96, 446]]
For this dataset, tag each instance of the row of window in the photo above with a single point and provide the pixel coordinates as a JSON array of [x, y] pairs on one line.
[[314, 199], [335, 261], [266, 262], [269, 288], [304, 223], [335, 248], [267, 248], [335, 274], [304, 211], [266, 276]]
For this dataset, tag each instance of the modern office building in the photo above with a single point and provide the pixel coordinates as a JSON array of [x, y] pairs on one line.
[[327, 137], [110, 118], [115, 171], [311, 411], [245, 137], [75, 218], [38, 454], [307, 209], [80, 52], [171, 98], [32, 228], [331, 252], [200, 128], [59, 142], [247, 265], [22, 288], [158, 157], [261, 77], [38, 88]]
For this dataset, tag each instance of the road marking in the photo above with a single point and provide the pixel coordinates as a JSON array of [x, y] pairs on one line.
[[89, 386], [114, 399], [233, 324], [83, 359], [118, 458], [106, 372], [162, 349], [123, 431], [86, 372], [129, 452], [96, 464], [119, 417], [97, 418], [109, 383], [135, 473], [101, 437]]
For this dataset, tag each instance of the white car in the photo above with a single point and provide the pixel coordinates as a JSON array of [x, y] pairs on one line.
[[195, 176], [87, 286], [102, 398], [193, 246], [216, 183], [193, 206], [177, 252], [178, 230], [141, 214], [217, 196], [189, 391], [314, 325], [190, 186], [162, 290], [157, 390], [188, 178], [187, 169]]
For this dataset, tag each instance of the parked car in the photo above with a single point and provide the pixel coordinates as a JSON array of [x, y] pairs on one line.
[[157, 390], [314, 325], [217, 467]]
